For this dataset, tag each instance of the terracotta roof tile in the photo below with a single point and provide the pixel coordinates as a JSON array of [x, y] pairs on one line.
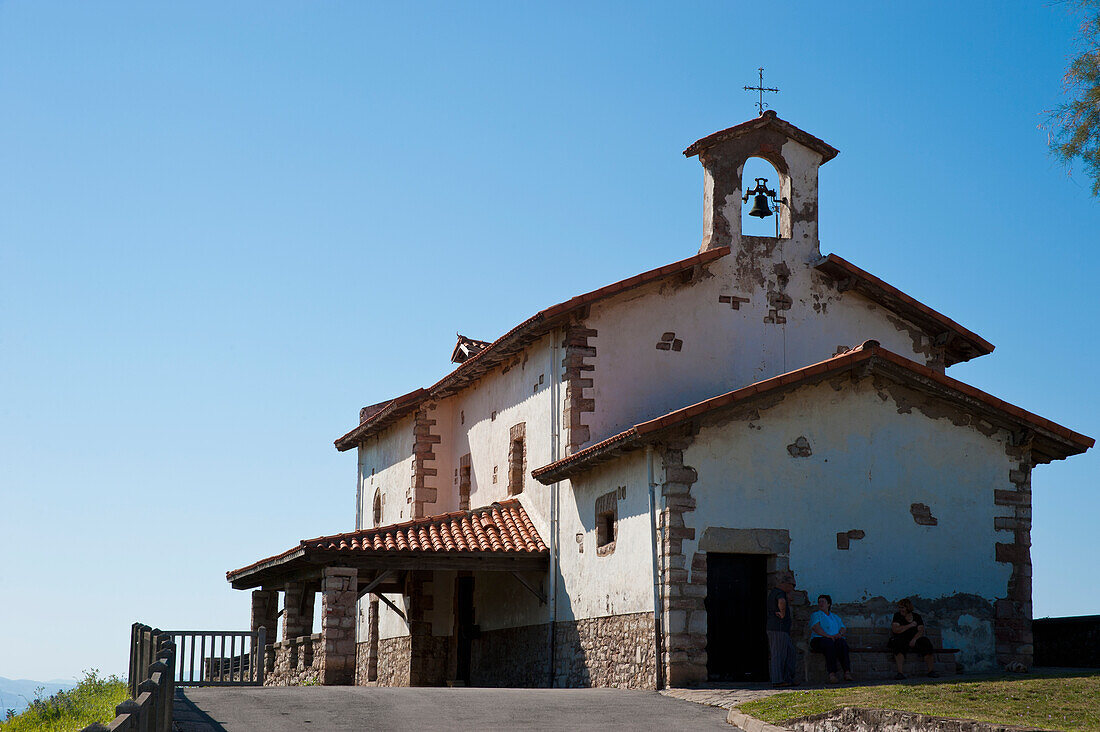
[[500, 528]]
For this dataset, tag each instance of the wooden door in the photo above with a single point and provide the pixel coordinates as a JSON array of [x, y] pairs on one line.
[[737, 646]]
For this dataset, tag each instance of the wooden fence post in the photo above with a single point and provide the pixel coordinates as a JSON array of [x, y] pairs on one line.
[[132, 672], [261, 654], [130, 708], [151, 714]]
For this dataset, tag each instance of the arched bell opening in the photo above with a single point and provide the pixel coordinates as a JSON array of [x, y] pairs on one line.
[[765, 197]]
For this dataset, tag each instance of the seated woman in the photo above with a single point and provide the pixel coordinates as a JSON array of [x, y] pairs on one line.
[[907, 636], [827, 633]]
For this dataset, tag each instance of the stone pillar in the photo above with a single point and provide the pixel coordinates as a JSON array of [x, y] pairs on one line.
[[427, 658], [685, 640], [339, 592], [1012, 623], [265, 612], [298, 610]]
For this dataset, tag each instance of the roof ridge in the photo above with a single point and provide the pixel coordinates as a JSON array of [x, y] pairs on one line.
[[346, 441], [866, 351]]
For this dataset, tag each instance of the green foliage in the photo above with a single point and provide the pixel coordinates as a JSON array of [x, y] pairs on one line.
[[93, 700], [1075, 124], [1066, 702]]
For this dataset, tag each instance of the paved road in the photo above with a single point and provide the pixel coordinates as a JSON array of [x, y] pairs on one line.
[[324, 708]]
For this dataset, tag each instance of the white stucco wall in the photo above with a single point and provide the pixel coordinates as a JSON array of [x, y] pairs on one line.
[[723, 348], [869, 464], [385, 465], [621, 582], [518, 391]]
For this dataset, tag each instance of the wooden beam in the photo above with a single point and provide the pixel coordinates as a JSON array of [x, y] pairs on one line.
[[536, 591], [393, 607], [382, 577]]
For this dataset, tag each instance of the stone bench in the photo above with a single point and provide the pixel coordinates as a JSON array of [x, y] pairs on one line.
[[873, 661]]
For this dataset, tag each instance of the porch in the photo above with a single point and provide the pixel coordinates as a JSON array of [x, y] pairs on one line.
[[394, 566]]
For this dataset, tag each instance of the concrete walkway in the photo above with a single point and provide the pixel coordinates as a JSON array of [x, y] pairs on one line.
[[337, 708]]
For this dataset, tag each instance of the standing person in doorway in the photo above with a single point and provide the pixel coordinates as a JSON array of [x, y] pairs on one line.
[[782, 657]]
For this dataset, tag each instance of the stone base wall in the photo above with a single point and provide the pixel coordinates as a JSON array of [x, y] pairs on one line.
[[294, 662], [616, 650], [394, 658], [511, 657], [431, 656]]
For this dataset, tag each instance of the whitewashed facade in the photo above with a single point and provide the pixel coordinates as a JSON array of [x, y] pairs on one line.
[[825, 437]]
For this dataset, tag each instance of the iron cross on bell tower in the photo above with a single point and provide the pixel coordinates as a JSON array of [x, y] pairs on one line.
[[761, 105]]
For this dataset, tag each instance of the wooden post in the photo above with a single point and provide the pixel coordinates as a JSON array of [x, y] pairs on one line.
[[259, 649]]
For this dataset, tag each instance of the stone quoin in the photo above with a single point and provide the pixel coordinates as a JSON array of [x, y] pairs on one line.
[[786, 411]]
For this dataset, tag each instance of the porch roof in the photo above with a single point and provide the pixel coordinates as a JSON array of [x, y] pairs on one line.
[[499, 537]]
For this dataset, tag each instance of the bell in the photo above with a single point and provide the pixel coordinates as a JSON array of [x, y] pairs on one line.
[[760, 207]]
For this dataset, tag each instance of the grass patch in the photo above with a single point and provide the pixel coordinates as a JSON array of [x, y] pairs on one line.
[[1069, 702], [92, 700]]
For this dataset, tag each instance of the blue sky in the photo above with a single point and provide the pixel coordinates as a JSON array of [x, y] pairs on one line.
[[224, 227]]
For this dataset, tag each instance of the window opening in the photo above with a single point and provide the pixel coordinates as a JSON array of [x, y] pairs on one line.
[[754, 170], [517, 458], [607, 522]]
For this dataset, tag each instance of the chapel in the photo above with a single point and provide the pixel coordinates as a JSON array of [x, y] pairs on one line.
[[603, 495]]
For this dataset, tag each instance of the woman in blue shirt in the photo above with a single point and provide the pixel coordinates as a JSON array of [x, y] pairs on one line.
[[827, 633]]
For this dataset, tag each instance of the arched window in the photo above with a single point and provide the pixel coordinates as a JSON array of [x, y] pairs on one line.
[[377, 508]]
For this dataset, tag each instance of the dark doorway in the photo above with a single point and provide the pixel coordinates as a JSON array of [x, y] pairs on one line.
[[737, 647], [464, 626]]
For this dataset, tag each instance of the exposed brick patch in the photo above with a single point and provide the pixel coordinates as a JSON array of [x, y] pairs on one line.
[[922, 515], [669, 342], [778, 302], [517, 458], [733, 301], [1012, 622], [800, 448], [844, 538], [425, 439], [464, 473], [575, 369]]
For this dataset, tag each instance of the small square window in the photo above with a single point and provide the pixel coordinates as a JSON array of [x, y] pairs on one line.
[[605, 528], [607, 522]]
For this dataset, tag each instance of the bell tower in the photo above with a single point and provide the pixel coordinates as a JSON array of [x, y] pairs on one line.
[[796, 156]]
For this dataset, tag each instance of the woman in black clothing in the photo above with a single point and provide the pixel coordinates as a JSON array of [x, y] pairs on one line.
[[907, 636]]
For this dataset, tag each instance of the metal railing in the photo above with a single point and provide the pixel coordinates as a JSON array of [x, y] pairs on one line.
[[202, 658]]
